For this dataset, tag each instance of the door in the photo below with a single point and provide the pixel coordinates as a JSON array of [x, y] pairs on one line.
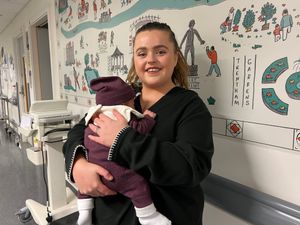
[[41, 63], [44, 62], [24, 87], [22, 81]]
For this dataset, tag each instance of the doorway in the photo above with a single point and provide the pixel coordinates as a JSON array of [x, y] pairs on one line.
[[41, 60], [23, 85]]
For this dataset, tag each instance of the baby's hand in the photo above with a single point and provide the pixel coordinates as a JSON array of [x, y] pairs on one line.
[[149, 113]]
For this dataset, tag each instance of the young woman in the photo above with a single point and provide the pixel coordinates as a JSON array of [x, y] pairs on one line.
[[175, 157]]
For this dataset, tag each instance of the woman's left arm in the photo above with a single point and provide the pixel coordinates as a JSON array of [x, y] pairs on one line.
[[184, 160]]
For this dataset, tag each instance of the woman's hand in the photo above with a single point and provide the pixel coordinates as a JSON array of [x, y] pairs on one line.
[[107, 128], [87, 178]]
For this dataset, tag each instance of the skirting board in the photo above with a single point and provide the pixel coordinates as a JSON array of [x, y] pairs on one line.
[[248, 204]]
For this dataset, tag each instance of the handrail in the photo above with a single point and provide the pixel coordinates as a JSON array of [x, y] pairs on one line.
[[249, 204]]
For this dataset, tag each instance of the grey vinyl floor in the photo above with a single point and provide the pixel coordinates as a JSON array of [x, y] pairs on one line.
[[20, 180]]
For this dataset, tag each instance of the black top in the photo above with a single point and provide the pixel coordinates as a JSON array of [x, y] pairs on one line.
[[175, 157]]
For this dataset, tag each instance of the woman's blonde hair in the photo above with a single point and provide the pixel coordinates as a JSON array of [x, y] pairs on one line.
[[181, 69]]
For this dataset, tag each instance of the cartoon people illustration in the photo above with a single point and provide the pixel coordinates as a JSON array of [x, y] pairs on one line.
[[83, 8], [84, 87], [276, 32], [102, 4], [95, 9], [112, 35], [81, 42], [70, 12], [76, 76], [286, 24], [224, 25], [213, 56], [82, 3], [189, 37], [230, 15]]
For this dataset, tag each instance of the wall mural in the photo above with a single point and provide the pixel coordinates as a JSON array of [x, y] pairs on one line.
[[8, 76], [243, 56]]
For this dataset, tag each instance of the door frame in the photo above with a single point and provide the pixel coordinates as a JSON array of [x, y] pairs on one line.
[[35, 57], [20, 47]]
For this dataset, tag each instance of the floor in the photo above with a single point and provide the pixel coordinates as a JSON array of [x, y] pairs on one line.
[[20, 180]]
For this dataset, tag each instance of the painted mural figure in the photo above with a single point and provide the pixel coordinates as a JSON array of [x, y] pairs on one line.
[[67, 21], [81, 42], [230, 15], [213, 56], [93, 61], [76, 76], [276, 32], [125, 2], [224, 25], [84, 87], [286, 24], [83, 9], [189, 37], [97, 59], [83, 6], [112, 36], [70, 12], [105, 16], [95, 9], [102, 5]]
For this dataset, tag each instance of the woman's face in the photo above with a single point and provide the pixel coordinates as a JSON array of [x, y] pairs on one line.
[[154, 58]]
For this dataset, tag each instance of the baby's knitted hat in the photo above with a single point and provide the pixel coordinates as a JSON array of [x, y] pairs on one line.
[[111, 90]]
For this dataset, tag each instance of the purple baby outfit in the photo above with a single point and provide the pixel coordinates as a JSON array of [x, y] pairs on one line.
[[113, 91]]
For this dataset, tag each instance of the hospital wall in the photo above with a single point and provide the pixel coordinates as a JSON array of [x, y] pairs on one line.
[[17, 33], [260, 158]]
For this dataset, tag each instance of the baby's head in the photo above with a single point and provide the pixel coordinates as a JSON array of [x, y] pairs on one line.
[[112, 90]]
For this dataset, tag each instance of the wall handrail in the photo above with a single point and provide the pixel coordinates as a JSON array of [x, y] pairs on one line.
[[249, 204]]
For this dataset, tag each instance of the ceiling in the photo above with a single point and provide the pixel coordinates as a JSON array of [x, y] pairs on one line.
[[8, 11]]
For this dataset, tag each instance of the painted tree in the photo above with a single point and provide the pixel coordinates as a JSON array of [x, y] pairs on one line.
[[267, 13], [249, 20], [86, 59], [236, 20]]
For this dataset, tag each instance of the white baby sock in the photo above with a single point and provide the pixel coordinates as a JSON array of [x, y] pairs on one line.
[[85, 208], [150, 216]]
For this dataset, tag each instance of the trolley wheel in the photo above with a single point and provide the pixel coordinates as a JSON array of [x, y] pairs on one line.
[[24, 215]]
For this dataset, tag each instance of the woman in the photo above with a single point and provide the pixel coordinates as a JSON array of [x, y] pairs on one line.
[[175, 157]]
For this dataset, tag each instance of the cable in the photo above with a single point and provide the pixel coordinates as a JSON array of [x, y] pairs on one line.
[[56, 130], [49, 218]]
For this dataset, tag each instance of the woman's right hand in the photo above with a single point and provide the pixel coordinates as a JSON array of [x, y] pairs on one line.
[[87, 178]]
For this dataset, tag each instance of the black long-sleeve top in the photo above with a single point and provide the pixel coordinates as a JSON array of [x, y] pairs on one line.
[[175, 157]]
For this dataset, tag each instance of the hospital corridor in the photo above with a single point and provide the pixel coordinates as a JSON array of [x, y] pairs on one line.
[[21, 180], [241, 58]]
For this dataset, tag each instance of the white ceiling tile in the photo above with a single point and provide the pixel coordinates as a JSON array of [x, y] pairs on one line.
[[8, 11]]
